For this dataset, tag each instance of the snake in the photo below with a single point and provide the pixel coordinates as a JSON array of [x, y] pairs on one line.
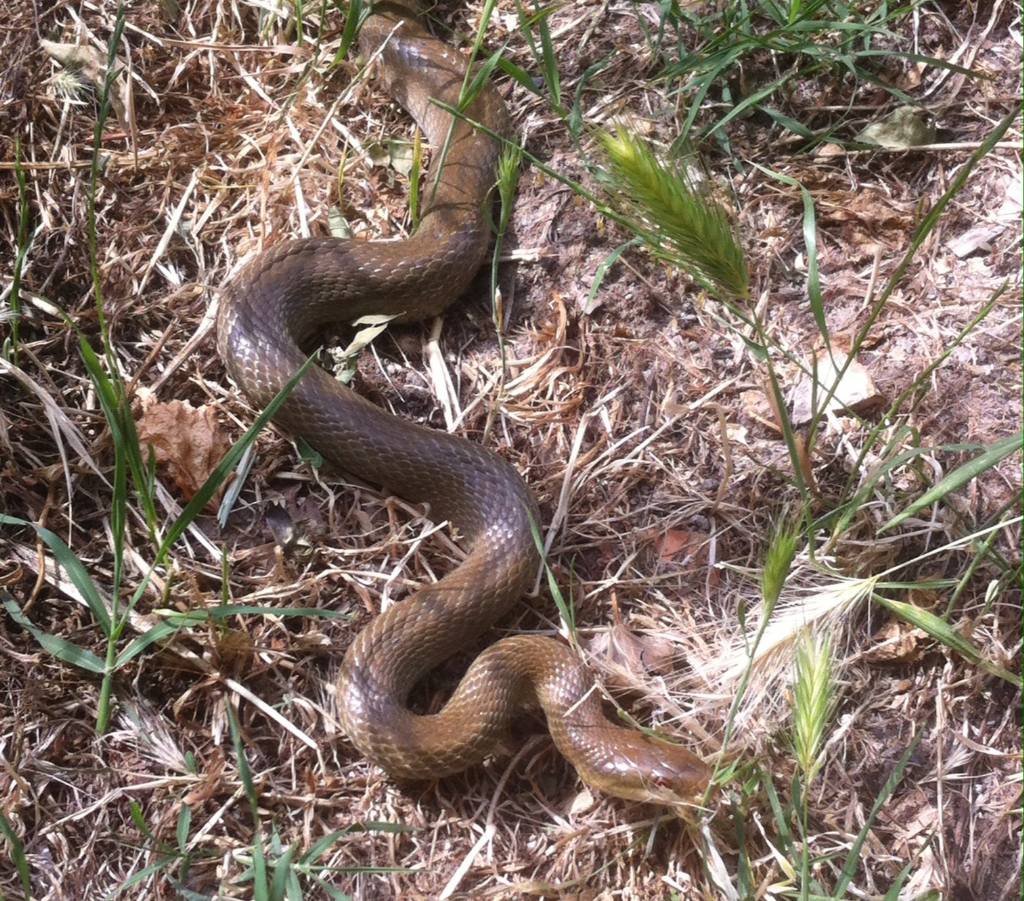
[[273, 315]]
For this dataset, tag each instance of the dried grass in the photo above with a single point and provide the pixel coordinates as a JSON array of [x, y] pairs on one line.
[[632, 422]]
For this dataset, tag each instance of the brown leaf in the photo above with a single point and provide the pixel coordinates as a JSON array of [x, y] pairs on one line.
[[633, 656], [684, 546], [896, 642], [188, 442]]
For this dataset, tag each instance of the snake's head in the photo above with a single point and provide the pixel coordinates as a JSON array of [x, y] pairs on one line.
[[642, 768]]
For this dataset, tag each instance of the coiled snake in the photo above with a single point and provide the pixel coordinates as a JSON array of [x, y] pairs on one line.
[[275, 309]]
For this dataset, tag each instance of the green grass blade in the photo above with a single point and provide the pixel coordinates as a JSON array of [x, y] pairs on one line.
[[183, 827], [545, 55], [551, 75], [135, 809], [480, 77], [244, 772], [321, 846], [780, 817], [110, 391], [142, 875], [175, 622], [602, 271], [519, 75], [565, 608], [789, 433], [888, 465], [897, 885], [58, 647], [77, 573], [896, 440], [17, 853], [853, 858], [293, 890], [744, 876], [331, 892], [960, 477], [159, 632], [928, 224], [472, 83], [103, 112], [746, 103], [300, 17], [811, 244], [942, 632], [982, 553], [282, 869], [789, 123], [261, 887], [933, 61], [574, 119]]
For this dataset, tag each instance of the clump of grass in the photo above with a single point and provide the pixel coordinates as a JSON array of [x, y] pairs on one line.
[[825, 601], [805, 39], [679, 224]]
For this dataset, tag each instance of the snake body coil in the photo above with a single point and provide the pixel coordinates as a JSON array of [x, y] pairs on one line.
[[275, 309]]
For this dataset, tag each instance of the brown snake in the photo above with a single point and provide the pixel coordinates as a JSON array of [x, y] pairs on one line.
[[274, 311]]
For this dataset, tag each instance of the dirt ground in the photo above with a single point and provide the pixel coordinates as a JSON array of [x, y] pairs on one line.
[[636, 414]]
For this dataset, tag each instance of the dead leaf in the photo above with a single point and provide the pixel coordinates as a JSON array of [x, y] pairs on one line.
[[856, 391], [188, 442], [980, 236], [401, 155], [583, 802], [632, 657], [830, 150], [871, 208], [683, 546], [896, 642], [911, 78]]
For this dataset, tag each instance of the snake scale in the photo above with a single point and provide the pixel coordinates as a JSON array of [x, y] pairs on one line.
[[275, 311]]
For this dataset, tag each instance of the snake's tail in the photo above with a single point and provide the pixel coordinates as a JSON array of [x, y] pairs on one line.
[[514, 672]]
